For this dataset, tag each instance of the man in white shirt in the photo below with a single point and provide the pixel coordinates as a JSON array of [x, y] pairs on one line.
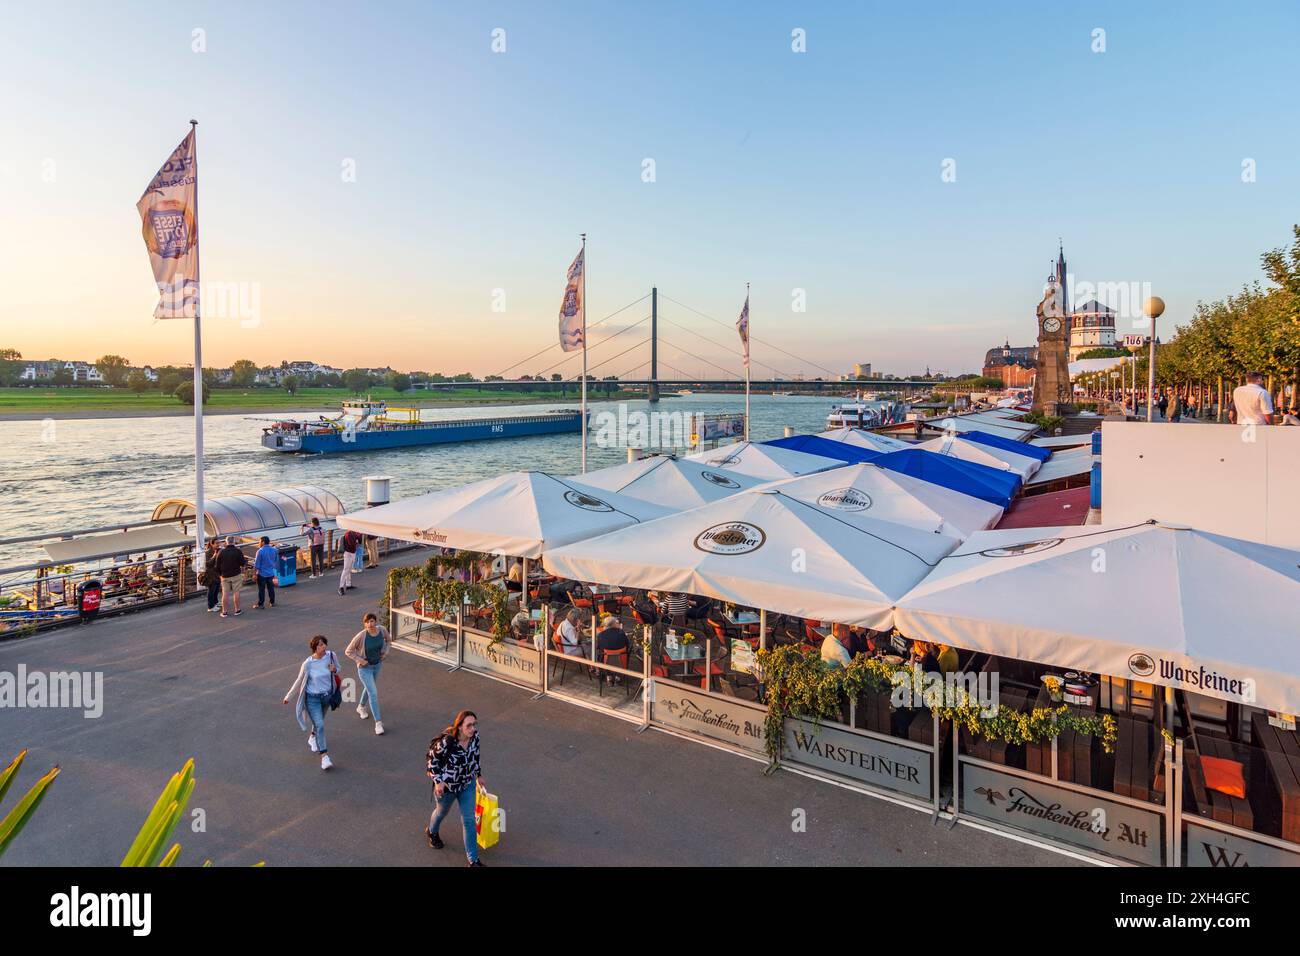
[[570, 636], [1253, 404], [834, 652]]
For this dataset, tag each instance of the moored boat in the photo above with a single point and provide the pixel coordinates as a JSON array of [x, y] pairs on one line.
[[369, 425]]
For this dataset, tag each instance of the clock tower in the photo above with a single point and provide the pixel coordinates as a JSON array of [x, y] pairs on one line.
[[1052, 379]]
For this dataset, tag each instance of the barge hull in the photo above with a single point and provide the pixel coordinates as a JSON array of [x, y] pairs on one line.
[[435, 434]]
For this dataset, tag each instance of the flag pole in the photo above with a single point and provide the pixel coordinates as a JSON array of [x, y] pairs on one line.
[[747, 367], [584, 353], [199, 517]]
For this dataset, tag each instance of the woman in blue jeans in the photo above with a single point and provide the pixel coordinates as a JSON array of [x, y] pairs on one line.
[[368, 649], [453, 763], [314, 686]]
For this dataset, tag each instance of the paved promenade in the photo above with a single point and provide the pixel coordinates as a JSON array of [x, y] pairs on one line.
[[579, 788]]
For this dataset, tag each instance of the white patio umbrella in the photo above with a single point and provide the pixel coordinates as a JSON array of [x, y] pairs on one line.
[[1012, 421], [671, 482], [967, 423], [865, 439], [765, 549], [519, 514], [1173, 606], [768, 462], [887, 495], [991, 456]]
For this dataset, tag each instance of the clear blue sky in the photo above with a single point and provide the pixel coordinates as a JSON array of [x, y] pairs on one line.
[[476, 170]]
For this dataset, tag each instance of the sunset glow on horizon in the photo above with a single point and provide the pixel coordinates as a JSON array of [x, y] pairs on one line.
[[473, 171]]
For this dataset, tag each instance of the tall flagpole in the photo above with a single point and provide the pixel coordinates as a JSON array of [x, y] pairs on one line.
[[747, 337], [199, 517], [584, 353]]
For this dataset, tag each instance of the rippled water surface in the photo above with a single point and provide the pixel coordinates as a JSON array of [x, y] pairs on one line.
[[89, 472]]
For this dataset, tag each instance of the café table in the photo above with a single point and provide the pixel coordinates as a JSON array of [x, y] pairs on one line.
[[686, 654]]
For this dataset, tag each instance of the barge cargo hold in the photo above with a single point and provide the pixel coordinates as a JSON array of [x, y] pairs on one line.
[[368, 426]]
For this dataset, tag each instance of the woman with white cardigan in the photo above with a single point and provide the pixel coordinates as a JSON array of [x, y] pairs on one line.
[[314, 686]]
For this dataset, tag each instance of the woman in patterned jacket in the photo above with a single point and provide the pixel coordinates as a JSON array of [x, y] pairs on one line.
[[453, 764]]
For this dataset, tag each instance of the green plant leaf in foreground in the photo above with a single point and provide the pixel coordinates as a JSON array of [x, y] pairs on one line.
[[10, 772], [17, 818], [147, 846]]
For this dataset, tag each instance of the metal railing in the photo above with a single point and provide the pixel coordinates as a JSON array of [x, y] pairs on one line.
[[49, 597]]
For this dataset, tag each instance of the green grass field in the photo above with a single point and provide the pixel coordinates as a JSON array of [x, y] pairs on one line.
[[32, 401]]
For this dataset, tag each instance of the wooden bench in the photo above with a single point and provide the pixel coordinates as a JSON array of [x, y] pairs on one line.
[[1076, 760], [1139, 758], [1280, 790], [999, 751], [1212, 803], [872, 711]]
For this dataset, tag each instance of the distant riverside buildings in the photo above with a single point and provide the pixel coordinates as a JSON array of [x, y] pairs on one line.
[[1092, 326], [1014, 365]]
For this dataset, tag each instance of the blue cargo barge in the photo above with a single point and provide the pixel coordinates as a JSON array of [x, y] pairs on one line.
[[369, 425]]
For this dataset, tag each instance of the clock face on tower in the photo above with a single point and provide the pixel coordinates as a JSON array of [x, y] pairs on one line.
[[1051, 325]]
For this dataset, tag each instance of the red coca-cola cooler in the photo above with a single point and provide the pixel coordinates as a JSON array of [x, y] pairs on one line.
[[89, 595]]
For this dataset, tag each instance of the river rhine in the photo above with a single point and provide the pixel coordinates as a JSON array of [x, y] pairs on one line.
[[83, 473]]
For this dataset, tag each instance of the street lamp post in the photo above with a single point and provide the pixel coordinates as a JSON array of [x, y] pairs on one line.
[[1153, 307]]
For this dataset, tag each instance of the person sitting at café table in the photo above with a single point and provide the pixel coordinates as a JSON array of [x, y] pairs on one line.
[[611, 638], [521, 626], [699, 607], [923, 654], [561, 587], [947, 659], [515, 576], [571, 634], [835, 648], [645, 607], [859, 641]]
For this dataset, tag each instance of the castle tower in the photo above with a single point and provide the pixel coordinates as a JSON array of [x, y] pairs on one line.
[[1061, 276]]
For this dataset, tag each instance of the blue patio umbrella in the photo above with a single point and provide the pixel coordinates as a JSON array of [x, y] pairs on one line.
[[967, 477], [827, 448], [1007, 444]]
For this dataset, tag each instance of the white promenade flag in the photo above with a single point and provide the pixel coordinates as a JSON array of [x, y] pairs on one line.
[[572, 317], [170, 224], [742, 326]]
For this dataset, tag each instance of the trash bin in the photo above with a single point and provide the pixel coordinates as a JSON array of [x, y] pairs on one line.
[[287, 571], [89, 595]]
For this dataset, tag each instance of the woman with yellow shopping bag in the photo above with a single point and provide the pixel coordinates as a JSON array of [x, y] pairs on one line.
[[453, 764]]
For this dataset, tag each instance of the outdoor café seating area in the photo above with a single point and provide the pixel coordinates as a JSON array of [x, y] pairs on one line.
[[1086, 666]]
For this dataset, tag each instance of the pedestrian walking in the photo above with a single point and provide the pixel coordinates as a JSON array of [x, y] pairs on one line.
[[230, 565], [350, 542], [369, 648], [372, 551], [453, 764], [1252, 402], [315, 686], [264, 566], [316, 541], [211, 577], [1176, 411], [1163, 404]]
